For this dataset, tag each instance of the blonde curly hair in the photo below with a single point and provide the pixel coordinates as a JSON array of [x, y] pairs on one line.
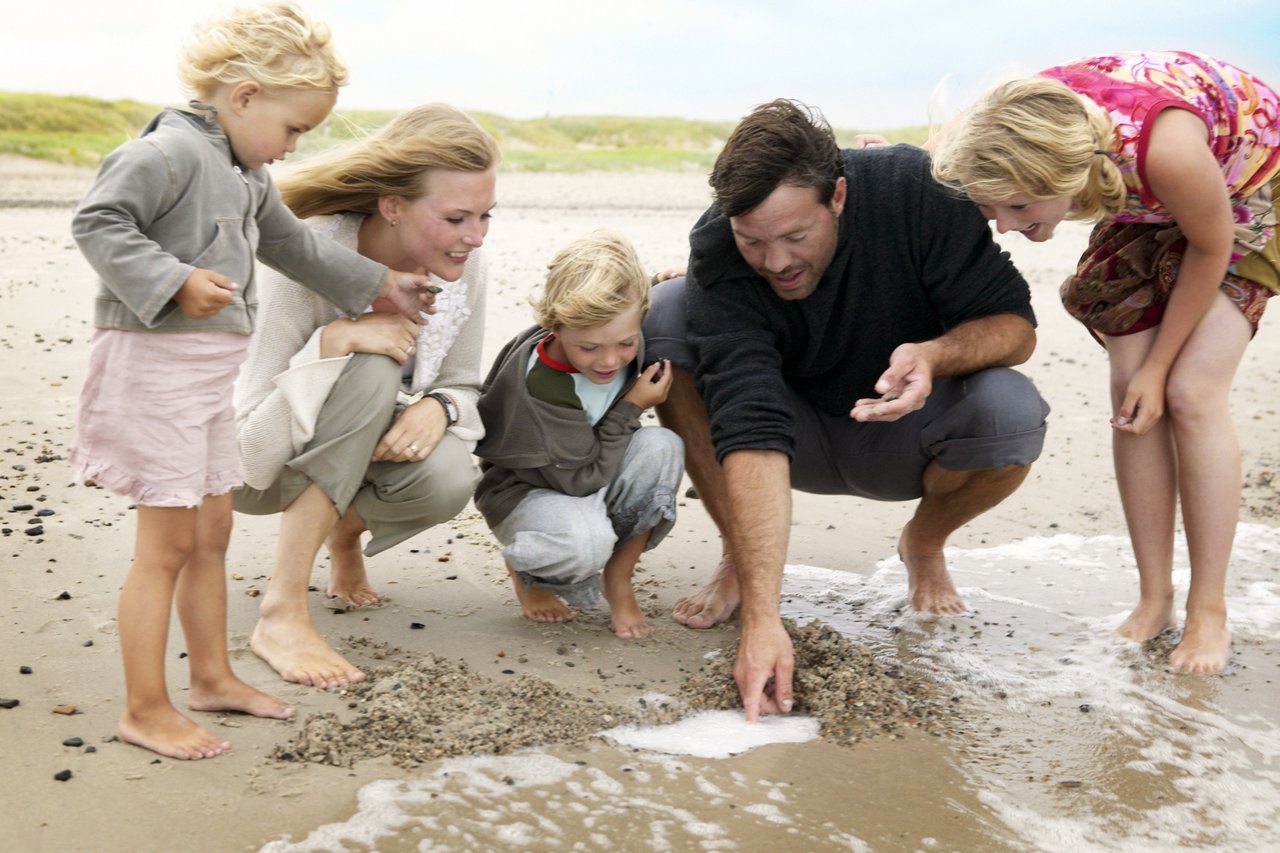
[[591, 281], [276, 45], [394, 161], [1037, 137]]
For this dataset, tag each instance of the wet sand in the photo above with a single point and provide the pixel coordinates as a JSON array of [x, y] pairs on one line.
[[65, 551]]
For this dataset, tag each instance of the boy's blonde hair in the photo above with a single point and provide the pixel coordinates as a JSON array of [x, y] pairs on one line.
[[394, 161], [275, 45], [1033, 136], [591, 281]]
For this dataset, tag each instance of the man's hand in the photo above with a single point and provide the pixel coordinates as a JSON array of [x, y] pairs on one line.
[[204, 294], [903, 388], [765, 652], [411, 295]]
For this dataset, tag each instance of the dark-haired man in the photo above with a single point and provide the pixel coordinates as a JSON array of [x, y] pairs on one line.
[[846, 327]]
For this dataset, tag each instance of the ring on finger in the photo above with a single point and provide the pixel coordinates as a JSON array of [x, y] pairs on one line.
[[408, 348], [413, 448]]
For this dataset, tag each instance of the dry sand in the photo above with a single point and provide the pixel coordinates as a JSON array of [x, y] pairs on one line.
[[452, 658]]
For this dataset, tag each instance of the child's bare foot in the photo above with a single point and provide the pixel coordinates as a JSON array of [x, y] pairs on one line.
[[1205, 647], [232, 694], [541, 604], [627, 619], [929, 583], [293, 648], [714, 603], [169, 733], [1148, 619]]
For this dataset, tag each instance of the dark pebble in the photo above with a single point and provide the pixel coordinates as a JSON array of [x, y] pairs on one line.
[[24, 669], [508, 672], [38, 530], [1071, 783], [64, 596], [33, 488], [23, 507], [62, 775], [417, 626], [90, 748], [87, 643], [9, 703], [451, 577], [44, 513], [1086, 708], [19, 467], [73, 741]]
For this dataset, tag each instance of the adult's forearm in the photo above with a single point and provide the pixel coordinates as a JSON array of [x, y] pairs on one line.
[[1001, 340], [759, 489]]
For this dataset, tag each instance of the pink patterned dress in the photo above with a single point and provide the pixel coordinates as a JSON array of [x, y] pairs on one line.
[[1125, 275]]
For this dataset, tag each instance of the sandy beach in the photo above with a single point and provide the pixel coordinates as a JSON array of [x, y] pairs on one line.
[[1062, 740]]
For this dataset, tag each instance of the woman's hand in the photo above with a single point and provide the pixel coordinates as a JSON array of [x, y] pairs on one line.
[[652, 385], [392, 335], [414, 433]]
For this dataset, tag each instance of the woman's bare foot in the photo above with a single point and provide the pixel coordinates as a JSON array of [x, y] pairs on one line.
[[541, 604], [232, 694], [1148, 619], [348, 581], [714, 603], [627, 619], [292, 648], [168, 732], [929, 583], [1205, 646]]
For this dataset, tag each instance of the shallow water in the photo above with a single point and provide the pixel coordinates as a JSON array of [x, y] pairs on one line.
[[1074, 740]]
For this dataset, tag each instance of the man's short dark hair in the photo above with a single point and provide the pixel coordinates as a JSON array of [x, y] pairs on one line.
[[781, 142]]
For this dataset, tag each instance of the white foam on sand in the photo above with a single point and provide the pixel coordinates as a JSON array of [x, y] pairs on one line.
[[715, 734]]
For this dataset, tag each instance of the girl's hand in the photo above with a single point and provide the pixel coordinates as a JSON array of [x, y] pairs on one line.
[[412, 295], [204, 294], [392, 335], [414, 433], [652, 385], [1143, 401]]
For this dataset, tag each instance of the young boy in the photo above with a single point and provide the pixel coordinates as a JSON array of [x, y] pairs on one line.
[[571, 482]]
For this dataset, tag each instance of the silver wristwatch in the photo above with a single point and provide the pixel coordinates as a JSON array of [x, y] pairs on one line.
[[450, 407]]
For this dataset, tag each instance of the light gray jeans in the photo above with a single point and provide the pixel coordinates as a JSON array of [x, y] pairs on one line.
[[561, 543]]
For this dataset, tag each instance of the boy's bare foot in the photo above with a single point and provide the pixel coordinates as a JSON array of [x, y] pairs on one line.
[[541, 604], [1205, 647], [232, 694], [169, 733], [627, 619], [714, 603], [293, 648], [929, 583], [1147, 620]]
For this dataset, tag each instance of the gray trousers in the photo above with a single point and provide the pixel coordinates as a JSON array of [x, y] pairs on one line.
[[561, 543], [986, 420], [396, 500]]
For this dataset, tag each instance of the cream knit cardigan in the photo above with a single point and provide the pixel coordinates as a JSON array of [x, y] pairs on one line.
[[284, 381]]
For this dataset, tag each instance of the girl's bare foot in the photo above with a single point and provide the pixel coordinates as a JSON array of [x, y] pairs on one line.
[[1149, 619], [232, 694], [541, 604], [1205, 647], [293, 649], [714, 603], [166, 731]]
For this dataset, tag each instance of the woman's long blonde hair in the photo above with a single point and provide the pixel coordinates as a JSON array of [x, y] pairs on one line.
[[1033, 136], [391, 162]]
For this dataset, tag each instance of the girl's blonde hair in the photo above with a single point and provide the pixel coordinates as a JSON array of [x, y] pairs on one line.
[[394, 161], [591, 281], [1032, 136], [275, 45]]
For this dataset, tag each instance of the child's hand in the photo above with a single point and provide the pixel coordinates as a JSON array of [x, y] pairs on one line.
[[412, 295], [652, 385], [1143, 403], [204, 294]]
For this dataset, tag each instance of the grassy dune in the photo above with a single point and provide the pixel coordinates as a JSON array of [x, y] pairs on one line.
[[82, 130]]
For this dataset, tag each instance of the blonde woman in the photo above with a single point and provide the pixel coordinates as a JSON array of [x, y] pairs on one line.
[[349, 426]]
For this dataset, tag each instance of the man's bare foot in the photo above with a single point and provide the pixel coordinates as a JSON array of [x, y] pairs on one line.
[[714, 603], [170, 733], [348, 581], [1147, 620], [1205, 647], [541, 604], [627, 619], [929, 583], [293, 648], [232, 694]]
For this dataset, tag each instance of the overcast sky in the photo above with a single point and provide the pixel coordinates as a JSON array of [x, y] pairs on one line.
[[865, 63]]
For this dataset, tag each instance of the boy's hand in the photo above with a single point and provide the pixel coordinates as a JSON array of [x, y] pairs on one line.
[[412, 295], [652, 385], [204, 294]]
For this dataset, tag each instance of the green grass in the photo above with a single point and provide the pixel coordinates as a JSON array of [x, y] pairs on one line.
[[81, 131]]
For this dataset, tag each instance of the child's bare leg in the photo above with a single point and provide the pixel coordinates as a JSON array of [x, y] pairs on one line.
[[165, 541], [540, 604], [1145, 474], [202, 607], [347, 577], [284, 636], [628, 620], [1209, 476]]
